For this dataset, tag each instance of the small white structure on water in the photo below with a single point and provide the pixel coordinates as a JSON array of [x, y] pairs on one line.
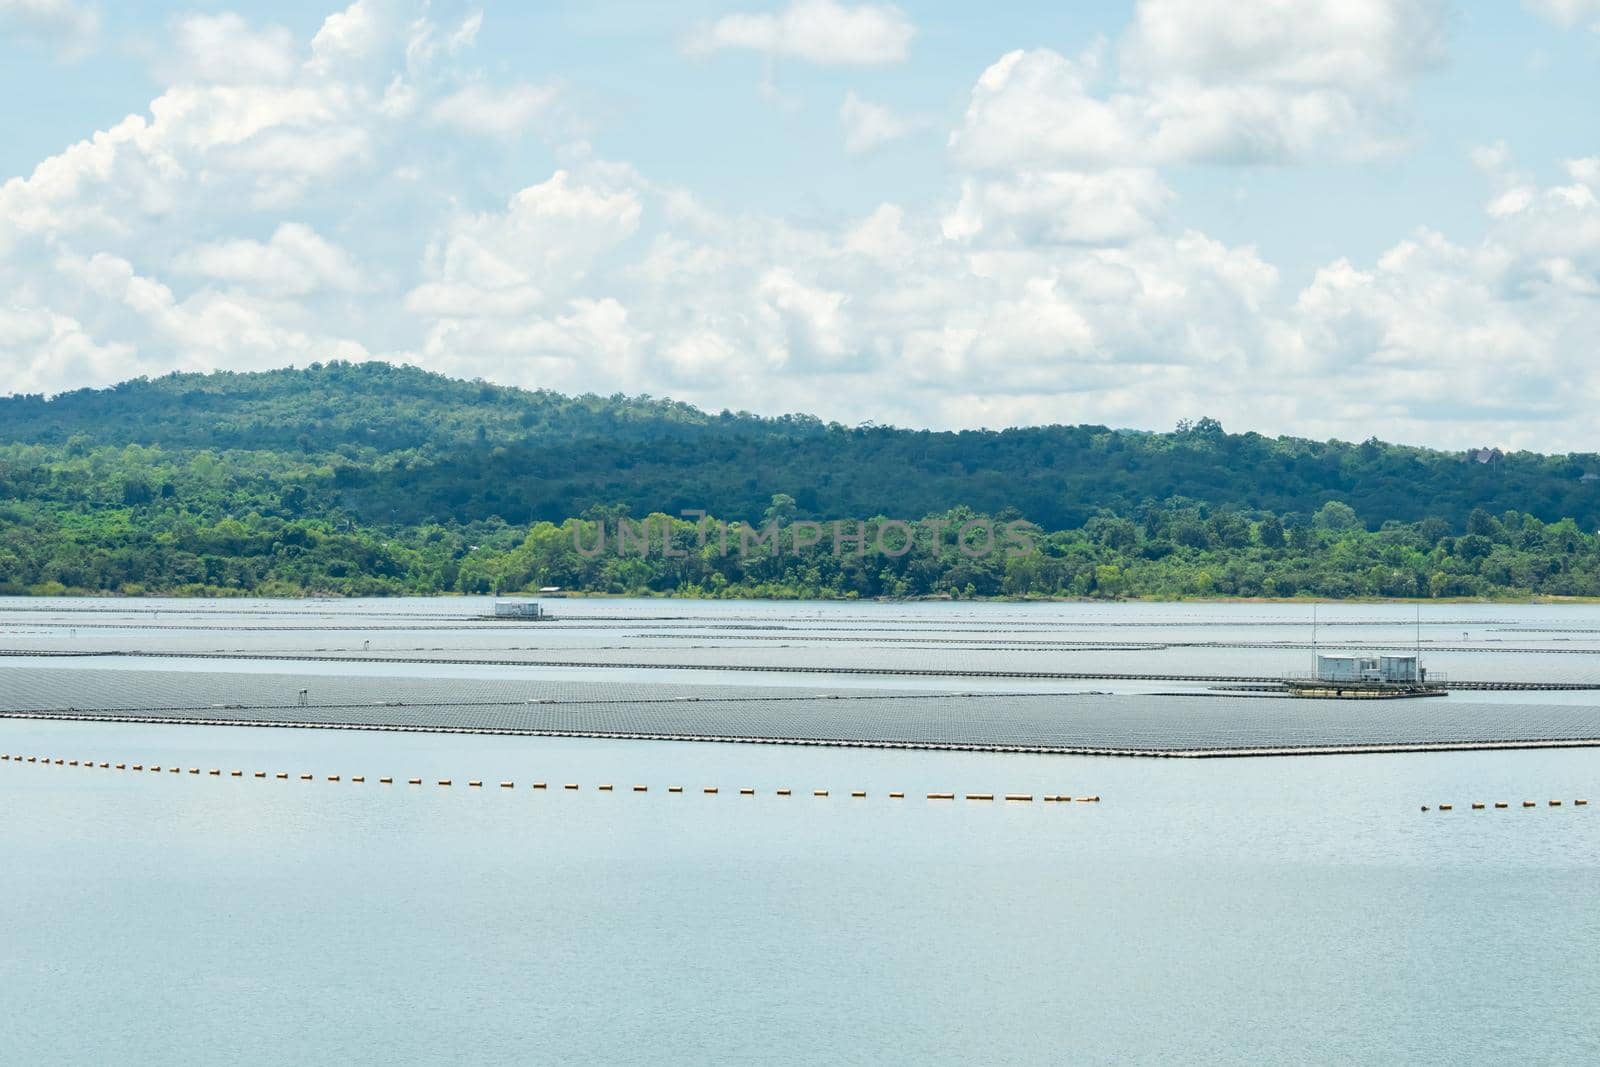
[[1392, 670], [518, 609]]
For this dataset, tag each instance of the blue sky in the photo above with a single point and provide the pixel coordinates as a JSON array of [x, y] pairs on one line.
[[1377, 217]]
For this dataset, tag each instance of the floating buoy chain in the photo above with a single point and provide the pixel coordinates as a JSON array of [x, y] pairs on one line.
[[476, 783]]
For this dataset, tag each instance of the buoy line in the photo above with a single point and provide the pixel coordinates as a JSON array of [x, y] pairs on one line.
[[1504, 805], [477, 783]]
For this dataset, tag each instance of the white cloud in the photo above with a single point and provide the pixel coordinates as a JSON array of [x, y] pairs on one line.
[[505, 264], [1209, 81], [70, 27], [349, 36], [817, 31], [295, 261], [868, 125], [486, 111], [1059, 207], [1053, 280], [225, 49]]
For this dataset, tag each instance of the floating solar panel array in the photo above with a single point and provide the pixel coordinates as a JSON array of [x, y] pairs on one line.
[[1169, 725]]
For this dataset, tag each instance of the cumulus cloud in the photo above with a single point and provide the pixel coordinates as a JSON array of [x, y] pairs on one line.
[[237, 221], [493, 112], [817, 31], [294, 261], [868, 125], [1059, 207], [1272, 82], [225, 49]]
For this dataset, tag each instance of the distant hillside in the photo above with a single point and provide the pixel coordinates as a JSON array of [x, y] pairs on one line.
[[396, 445]]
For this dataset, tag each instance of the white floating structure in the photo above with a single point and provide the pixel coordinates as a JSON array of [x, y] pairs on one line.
[[1392, 670], [518, 609]]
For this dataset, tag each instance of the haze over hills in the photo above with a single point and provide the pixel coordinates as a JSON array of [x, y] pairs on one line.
[[373, 478], [397, 444]]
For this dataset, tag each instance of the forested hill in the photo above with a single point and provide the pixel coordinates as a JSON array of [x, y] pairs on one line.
[[390, 445]]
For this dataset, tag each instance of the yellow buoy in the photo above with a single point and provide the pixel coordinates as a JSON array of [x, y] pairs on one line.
[[785, 792], [1476, 806], [1580, 802], [1555, 803], [305, 777], [897, 796], [359, 778], [282, 774], [235, 774], [747, 792], [980, 796], [674, 788], [570, 785], [941, 796], [1445, 807], [261, 774], [508, 785], [1020, 796], [386, 781], [194, 770], [333, 777], [711, 789], [606, 788], [641, 789], [1501, 804], [444, 781], [819, 792], [538, 785], [859, 793], [475, 785], [1529, 804], [413, 781]]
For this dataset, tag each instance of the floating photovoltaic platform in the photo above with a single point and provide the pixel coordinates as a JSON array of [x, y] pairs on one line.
[[1149, 725]]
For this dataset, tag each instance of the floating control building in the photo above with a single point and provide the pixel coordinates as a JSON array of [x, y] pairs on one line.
[[1353, 676]]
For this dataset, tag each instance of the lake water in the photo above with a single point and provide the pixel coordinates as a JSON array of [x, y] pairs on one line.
[[1298, 909]]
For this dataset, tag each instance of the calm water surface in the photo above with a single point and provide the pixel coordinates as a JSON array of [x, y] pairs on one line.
[[1262, 910]]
